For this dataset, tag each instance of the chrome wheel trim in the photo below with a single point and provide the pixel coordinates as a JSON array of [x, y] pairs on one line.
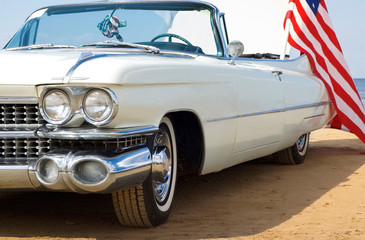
[[302, 144], [161, 187]]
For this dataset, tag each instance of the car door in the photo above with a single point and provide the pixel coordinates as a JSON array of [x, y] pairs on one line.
[[260, 107]]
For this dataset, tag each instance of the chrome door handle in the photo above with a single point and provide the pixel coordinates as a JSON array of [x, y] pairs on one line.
[[277, 74]]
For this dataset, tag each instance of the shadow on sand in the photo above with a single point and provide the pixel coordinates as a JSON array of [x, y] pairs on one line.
[[241, 201]]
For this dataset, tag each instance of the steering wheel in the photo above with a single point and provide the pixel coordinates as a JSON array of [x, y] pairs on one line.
[[170, 36]]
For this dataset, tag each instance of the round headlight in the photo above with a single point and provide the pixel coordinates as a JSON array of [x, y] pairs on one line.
[[98, 106], [56, 106]]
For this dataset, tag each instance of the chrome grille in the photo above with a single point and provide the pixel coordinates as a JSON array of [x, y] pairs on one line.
[[20, 115], [117, 145], [23, 151]]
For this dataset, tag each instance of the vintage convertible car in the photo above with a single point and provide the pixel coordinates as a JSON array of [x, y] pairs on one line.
[[123, 97]]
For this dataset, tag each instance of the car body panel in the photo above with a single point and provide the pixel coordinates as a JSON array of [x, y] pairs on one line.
[[247, 108]]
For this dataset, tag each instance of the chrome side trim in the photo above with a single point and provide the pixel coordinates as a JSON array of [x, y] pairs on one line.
[[25, 126], [78, 133], [16, 134], [94, 133], [73, 78], [18, 100], [273, 111], [315, 116]]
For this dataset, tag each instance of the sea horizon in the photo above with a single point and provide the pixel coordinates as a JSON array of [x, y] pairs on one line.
[[360, 85]]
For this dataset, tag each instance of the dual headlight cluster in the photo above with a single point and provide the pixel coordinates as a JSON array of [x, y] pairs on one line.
[[97, 105]]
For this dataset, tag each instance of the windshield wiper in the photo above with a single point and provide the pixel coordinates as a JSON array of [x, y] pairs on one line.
[[39, 46], [148, 48]]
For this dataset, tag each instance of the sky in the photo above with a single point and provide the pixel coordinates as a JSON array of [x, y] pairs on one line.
[[347, 18]]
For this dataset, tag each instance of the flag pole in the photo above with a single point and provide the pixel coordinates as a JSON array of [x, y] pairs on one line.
[[287, 27]]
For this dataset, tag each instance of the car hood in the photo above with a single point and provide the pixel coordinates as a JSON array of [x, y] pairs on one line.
[[55, 66], [36, 67]]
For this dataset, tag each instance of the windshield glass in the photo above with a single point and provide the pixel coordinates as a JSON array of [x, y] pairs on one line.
[[177, 27]]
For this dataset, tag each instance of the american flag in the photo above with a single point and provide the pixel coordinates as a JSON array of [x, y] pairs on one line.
[[311, 32]]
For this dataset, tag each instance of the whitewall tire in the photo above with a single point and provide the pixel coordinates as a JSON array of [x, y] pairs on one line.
[[150, 203]]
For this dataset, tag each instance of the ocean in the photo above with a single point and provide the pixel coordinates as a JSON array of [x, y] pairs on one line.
[[360, 85]]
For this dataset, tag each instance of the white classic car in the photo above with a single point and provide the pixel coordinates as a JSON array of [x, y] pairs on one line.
[[123, 97]]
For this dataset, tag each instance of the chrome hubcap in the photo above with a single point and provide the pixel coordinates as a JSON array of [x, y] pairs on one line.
[[161, 166], [301, 143]]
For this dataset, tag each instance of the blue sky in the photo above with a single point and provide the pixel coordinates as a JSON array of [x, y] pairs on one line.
[[347, 17]]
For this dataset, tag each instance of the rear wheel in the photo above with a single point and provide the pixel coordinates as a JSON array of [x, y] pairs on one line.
[[294, 154], [150, 203]]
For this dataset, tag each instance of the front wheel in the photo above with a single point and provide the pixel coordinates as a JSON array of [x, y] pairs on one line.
[[295, 154], [150, 203]]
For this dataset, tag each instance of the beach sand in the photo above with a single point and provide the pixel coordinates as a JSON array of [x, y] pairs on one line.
[[323, 198]]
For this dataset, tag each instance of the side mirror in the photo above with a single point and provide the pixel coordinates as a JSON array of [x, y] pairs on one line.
[[235, 49]]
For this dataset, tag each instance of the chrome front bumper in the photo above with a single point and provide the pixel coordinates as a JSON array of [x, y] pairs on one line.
[[75, 171]]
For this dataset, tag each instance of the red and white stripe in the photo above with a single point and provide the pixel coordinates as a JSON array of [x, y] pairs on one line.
[[313, 35]]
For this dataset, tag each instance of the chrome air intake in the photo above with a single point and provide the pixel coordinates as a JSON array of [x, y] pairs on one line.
[[90, 172]]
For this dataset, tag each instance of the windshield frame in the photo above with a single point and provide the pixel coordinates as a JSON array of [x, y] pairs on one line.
[[161, 5]]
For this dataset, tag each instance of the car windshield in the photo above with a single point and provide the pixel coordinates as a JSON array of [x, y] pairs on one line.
[[173, 26]]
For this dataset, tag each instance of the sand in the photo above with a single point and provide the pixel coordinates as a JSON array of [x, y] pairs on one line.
[[323, 198]]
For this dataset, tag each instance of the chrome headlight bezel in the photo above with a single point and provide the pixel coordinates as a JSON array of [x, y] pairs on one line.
[[46, 114], [112, 111], [77, 96]]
